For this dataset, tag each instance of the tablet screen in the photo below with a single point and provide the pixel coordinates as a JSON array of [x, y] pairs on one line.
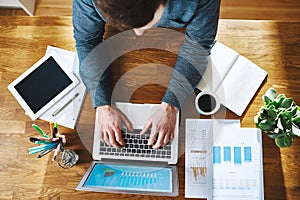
[[43, 84], [130, 178]]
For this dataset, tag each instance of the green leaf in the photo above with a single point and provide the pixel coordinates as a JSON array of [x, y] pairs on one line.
[[272, 114], [296, 120], [270, 94], [267, 125], [286, 103], [293, 111], [286, 115], [277, 102], [273, 136], [267, 100], [284, 123], [280, 96], [283, 142], [289, 113]]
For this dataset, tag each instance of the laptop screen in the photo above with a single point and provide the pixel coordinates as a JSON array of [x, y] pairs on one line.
[[130, 178]]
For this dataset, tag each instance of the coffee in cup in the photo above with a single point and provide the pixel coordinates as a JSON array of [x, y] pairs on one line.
[[207, 103]]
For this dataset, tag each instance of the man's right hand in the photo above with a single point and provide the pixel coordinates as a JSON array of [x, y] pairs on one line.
[[110, 119]]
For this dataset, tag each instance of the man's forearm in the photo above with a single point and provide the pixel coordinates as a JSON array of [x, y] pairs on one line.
[[188, 71]]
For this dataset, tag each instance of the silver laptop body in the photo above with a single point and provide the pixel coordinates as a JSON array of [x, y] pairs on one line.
[[136, 148]]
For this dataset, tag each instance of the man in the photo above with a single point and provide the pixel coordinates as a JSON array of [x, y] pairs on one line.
[[199, 17]]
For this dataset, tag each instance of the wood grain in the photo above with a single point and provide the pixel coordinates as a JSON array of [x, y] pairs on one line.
[[272, 45], [288, 10]]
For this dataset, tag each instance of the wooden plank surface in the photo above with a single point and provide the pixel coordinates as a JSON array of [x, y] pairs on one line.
[[288, 10], [272, 45]]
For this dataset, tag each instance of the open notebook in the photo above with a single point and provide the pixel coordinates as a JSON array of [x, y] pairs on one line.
[[231, 76]]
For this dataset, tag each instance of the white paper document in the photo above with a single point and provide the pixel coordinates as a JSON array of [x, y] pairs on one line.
[[223, 161]]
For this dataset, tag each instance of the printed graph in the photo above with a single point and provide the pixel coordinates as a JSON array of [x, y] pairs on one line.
[[236, 155], [198, 167], [199, 171]]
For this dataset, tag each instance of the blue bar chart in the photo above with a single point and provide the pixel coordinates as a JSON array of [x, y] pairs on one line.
[[227, 154], [236, 155], [247, 154], [216, 154]]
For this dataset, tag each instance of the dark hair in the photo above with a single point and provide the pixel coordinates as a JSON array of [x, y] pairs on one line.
[[127, 14]]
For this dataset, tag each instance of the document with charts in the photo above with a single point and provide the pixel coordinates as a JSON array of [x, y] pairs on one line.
[[223, 161]]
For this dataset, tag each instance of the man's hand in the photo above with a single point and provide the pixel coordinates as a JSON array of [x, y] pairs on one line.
[[163, 123], [110, 119]]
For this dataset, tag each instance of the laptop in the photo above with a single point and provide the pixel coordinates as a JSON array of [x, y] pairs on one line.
[[137, 167]]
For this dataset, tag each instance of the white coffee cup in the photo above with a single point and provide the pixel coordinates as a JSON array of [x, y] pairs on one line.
[[207, 103]]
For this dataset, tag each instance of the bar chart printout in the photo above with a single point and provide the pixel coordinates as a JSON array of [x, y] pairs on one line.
[[198, 164], [235, 159], [237, 155], [237, 165]]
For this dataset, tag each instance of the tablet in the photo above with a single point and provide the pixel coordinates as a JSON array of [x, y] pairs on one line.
[[43, 85], [135, 178]]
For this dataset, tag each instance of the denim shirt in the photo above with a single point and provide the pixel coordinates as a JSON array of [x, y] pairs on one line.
[[199, 17]]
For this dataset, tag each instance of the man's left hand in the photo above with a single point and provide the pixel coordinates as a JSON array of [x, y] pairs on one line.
[[163, 122]]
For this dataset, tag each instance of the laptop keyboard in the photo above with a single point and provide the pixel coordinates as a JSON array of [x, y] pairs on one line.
[[136, 146]]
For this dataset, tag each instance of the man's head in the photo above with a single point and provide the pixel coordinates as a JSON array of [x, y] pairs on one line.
[[127, 14]]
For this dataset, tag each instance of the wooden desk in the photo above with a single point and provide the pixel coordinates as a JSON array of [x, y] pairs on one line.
[[272, 45]]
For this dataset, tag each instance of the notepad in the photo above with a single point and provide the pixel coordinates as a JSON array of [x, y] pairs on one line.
[[233, 77]]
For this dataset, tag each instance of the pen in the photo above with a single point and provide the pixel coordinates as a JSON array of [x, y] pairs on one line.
[[45, 152], [37, 150], [64, 106], [40, 130], [44, 147]]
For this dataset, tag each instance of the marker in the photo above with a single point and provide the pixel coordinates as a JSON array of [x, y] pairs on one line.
[[55, 130], [65, 105], [44, 142], [40, 130], [33, 139]]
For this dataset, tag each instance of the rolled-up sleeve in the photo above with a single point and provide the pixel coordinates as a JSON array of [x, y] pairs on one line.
[[89, 28], [194, 53]]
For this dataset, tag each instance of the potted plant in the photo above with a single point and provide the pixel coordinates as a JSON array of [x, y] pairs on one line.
[[279, 118]]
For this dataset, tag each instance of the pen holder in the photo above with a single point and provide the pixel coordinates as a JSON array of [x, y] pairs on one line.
[[53, 142], [67, 158]]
